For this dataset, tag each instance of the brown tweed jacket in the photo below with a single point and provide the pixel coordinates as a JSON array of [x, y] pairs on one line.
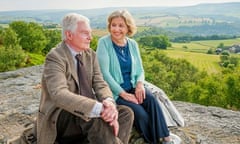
[[60, 87]]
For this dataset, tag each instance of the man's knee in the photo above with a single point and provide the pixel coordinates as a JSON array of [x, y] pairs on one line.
[[125, 113]]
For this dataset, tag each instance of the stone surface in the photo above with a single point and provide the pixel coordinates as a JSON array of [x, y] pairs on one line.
[[20, 95]]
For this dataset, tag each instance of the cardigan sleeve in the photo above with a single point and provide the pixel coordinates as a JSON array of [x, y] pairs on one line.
[[137, 69], [103, 56]]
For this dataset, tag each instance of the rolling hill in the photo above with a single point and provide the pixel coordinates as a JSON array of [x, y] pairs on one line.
[[202, 19]]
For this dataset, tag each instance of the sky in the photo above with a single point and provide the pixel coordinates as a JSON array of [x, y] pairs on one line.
[[10, 5]]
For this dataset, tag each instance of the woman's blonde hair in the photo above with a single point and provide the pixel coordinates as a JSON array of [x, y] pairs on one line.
[[132, 29]]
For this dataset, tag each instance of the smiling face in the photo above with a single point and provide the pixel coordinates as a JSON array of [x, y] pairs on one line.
[[80, 39], [118, 29]]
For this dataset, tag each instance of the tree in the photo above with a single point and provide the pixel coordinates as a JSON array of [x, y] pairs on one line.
[[160, 42], [11, 54], [163, 42], [228, 61], [31, 35], [234, 60], [10, 39], [232, 81], [93, 43], [1, 38], [221, 45], [145, 41], [53, 38], [210, 51], [169, 74], [21, 29]]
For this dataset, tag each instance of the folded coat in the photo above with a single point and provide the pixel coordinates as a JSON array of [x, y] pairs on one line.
[[171, 114]]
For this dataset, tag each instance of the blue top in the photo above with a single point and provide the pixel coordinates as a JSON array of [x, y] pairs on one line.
[[125, 62], [110, 65]]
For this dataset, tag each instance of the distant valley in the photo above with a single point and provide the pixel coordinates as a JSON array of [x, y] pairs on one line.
[[202, 19]]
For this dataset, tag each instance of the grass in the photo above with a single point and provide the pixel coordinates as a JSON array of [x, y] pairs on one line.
[[196, 53], [4, 25], [215, 43], [35, 59], [190, 47], [203, 46], [204, 62]]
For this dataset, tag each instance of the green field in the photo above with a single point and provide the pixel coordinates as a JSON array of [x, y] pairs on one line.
[[168, 20], [203, 46], [4, 25], [195, 53], [202, 61]]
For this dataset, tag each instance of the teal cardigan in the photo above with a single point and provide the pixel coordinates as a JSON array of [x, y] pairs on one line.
[[110, 66]]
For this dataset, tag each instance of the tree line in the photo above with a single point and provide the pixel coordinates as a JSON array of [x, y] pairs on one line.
[[189, 38], [22, 38], [183, 37], [183, 82], [178, 78]]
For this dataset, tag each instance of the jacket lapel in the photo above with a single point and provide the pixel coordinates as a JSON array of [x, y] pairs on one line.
[[88, 66], [71, 63]]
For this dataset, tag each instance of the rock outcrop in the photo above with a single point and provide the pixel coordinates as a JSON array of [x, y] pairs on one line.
[[20, 95]]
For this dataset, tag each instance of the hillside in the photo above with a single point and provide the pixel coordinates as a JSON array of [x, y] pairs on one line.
[[202, 19], [204, 62], [20, 95]]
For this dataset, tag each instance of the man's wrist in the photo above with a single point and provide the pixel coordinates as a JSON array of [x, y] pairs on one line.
[[97, 110], [111, 100]]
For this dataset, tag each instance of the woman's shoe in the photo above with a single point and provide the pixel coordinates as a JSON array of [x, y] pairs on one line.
[[174, 139]]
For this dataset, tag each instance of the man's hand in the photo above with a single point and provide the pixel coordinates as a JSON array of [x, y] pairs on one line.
[[110, 114], [115, 126]]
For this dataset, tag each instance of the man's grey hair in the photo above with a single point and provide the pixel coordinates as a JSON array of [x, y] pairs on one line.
[[70, 22]]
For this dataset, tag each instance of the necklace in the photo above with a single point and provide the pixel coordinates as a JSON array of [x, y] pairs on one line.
[[120, 43]]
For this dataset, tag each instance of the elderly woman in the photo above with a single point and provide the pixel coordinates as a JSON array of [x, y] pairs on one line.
[[122, 68]]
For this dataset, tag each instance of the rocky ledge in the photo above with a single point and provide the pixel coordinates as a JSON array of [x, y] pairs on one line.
[[20, 94]]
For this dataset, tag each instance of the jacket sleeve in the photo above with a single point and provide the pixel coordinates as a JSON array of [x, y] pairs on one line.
[[60, 88]]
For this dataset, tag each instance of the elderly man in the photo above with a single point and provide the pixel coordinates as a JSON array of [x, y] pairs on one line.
[[77, 105]]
